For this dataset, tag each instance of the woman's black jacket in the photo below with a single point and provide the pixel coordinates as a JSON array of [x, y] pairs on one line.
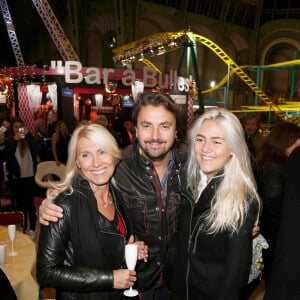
[[77, 254], [211, 266]]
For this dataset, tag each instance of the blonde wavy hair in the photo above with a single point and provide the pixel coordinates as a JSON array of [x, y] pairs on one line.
[[231, 202], [98, 135]]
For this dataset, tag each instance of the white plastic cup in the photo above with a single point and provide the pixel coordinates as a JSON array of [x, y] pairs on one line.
[[2, 255], [22, 132]]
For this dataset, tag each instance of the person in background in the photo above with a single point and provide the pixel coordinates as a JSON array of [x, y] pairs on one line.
[[7, 124], [253, 137], [150, 178], [128, 135], [82, 255], [22, 156], [103, 120], [214, 252], [93, 116], [279, 143], [40, 127], [51, 120], [196, 114], [284, 282], [5, 135], [60, 141]]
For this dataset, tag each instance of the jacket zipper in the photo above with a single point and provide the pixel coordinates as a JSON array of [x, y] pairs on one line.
[[188, 250]]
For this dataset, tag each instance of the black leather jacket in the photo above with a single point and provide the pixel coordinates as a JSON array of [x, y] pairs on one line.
[[270, 181], [56, 259], [154, 212], [211, 266]]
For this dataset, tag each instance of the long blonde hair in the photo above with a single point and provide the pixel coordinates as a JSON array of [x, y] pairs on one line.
[[100, 136], [237, 188]]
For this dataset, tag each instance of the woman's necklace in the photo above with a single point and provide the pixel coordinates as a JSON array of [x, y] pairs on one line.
[[106, 203], [102, 203]]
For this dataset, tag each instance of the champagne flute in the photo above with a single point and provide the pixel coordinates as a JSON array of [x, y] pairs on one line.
[[2, 256], [12, 236], [131, 254]]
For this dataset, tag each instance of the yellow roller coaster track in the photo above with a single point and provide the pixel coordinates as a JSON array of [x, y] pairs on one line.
[[286, 64], [148, 63], [137, 49], [238, 71]]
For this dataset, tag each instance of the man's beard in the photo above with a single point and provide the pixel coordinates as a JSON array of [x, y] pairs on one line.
[[158, 157]]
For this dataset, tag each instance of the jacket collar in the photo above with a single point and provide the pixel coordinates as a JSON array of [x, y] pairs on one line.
[[205, 199]]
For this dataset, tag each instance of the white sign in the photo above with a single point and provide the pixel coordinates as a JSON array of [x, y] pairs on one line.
[[151, 79]]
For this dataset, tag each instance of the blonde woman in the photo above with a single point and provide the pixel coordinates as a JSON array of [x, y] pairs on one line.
[[82, 255], [215, 239]]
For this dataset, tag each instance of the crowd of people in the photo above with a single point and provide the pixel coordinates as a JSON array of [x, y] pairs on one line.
[[190, 206]]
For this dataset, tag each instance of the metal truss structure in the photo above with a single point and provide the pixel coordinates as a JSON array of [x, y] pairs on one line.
[[11, 33], [52, 24], [55, 30]]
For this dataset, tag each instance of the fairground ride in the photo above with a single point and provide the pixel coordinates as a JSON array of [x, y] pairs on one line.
[[143, 49], [158, 44]]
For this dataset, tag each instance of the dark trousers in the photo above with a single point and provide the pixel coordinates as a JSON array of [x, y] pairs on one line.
[[23, 190], [249, 289], [156, 293]]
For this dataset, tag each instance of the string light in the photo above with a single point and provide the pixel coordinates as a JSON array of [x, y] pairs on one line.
[[148, 47]]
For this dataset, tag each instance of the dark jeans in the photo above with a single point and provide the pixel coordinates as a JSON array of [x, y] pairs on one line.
[[156, 293], [23, 189]]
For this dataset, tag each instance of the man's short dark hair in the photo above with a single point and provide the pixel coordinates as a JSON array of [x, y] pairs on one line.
[[158, 99]]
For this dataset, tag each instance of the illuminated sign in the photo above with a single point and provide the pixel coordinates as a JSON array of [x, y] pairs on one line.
[[91, 75], [67, 93]]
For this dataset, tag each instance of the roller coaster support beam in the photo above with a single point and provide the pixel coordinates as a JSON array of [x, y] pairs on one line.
[[226, 93], [256, 99], [191, 51], [292, 88]]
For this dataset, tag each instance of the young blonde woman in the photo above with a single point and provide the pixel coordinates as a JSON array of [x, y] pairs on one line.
[[215, 232]]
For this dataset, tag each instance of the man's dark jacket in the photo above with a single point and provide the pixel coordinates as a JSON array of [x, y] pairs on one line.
[[154, 211]]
